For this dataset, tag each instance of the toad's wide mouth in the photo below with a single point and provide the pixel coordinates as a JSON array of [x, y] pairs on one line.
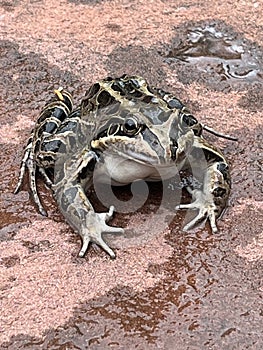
[[134, 149]]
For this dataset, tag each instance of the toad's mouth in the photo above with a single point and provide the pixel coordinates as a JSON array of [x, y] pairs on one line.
[[138, 152]]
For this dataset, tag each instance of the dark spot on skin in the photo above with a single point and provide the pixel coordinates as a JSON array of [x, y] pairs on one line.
[[224, 169], [153, 90], [67, 101], [210, 155], [81, 213], [174, 103], [49, 127], [189, 119], [180, 156], [147, 99], [51, 146], [87, 106], [116, 87], [93, 90], [47, 160], [87, 171], [38, 144], [108, 79], [160, 92], [29, 140], [173, 148], [219, 192], [68, 197], [69, 125], [75, 114], [54, 112], [137, 93], [129, 87], [135, 83], [59, 113], [104, 99]]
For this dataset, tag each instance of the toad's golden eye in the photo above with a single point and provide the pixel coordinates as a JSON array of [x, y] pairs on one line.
[[130, 126]]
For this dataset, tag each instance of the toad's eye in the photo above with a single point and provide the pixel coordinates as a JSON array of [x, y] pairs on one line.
[[130, 126]]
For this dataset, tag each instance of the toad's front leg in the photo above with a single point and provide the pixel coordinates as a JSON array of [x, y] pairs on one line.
[[75, 206], [211, 198]]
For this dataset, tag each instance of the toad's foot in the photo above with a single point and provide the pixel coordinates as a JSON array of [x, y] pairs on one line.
[[206, 206], [92, 231]]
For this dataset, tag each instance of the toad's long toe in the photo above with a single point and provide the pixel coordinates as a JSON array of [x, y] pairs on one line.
[[95, 227], [203, 215], [206, 210], [96, 237]]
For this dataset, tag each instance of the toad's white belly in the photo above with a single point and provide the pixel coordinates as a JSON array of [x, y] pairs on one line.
[[120, 171]]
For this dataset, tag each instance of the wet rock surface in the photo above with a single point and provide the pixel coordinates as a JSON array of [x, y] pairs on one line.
[[174, 289], [217, 54]]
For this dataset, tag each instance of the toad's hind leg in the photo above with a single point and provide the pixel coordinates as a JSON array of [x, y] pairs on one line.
[[50, 118], [211, 199]]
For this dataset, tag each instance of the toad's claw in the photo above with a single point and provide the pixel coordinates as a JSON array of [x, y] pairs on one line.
[[95, 226], [99, 241]]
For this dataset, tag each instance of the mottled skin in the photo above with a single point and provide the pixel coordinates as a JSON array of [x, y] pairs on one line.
[[126, 131]]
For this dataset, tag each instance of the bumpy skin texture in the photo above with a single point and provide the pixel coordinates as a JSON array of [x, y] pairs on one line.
[[128, 131]]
